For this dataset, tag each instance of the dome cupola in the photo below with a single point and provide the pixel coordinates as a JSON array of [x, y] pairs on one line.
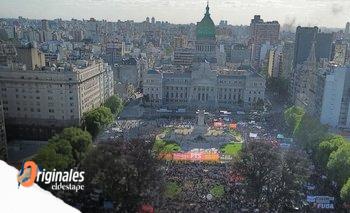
[[205, 29]]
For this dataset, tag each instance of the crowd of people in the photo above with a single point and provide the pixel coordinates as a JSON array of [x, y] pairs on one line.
[[196, 181]]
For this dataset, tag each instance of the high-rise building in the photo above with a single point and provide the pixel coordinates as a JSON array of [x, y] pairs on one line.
[[275, 62], [304, 38], [323, 46], [347, 28], [260, 33], [92, 29], [335, 109], [44, 25], [113, 53], [153, 20], [288, 56]]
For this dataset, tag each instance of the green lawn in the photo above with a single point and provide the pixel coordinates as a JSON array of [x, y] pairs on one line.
[[231, 148], [172, 189], [217, 191], [165, 146]]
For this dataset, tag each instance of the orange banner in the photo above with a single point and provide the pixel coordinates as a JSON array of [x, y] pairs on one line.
[[233, 126], [191, 156]]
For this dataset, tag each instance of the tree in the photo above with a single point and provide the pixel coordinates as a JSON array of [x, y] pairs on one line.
[[339, 164], [64, 150], [56, 155], [115, 104], [345, 192], [293, 117], [96, 119], [126, 172], [310, 133], [255, 164], [272, 180], [80, 141], [329, 145]]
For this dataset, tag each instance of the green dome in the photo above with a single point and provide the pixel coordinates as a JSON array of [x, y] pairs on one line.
[[206, 28]]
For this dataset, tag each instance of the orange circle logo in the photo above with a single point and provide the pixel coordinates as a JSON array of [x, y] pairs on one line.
[[27, 175]]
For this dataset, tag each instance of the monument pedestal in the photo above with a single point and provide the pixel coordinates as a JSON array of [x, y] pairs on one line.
[[201, 128]]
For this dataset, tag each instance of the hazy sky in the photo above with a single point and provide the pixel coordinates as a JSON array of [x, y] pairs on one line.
[[331, 13]]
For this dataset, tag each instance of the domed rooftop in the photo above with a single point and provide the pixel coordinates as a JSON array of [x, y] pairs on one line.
[[205, 28]]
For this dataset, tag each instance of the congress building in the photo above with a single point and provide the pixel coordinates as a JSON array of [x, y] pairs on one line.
[[204, 84]]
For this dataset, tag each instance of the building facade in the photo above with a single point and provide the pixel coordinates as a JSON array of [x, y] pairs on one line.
[[335, 109], [183, 56], [240, 53], [203, 87], [302, 83], [340, 52], [260, 33], [275, 62], [43, 100]]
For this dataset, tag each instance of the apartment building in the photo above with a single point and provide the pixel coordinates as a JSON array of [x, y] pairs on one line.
[[40, 102]]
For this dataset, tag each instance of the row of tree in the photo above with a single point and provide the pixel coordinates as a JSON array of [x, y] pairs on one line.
[[68, 149], [331, 153], [126, 173]]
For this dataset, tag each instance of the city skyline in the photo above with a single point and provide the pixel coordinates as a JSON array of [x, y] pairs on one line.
[[324, 13]]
